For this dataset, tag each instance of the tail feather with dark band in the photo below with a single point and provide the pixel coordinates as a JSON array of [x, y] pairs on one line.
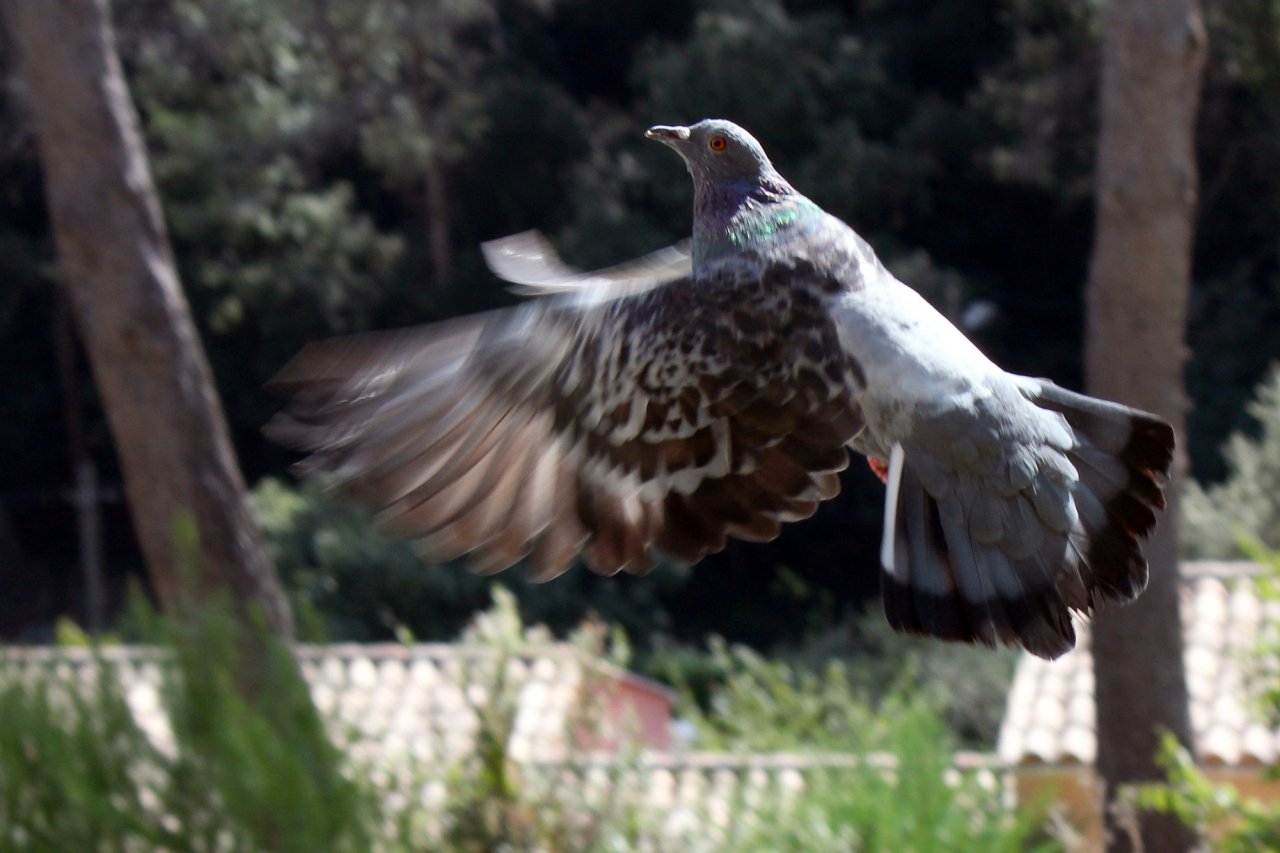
[[1003, 556]]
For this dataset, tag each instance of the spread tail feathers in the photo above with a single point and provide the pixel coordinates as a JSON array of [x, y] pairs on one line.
[[1003, 553]]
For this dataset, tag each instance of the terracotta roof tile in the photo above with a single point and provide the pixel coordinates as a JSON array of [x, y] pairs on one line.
[[1050, 715], [418, 699], [390, 704]]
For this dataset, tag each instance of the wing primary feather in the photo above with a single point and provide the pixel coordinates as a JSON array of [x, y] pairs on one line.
[[632, 409]]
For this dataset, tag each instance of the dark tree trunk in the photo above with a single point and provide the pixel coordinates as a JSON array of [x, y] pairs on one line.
[[436, 193], [1139, 280], [86, 498], [179, 467]]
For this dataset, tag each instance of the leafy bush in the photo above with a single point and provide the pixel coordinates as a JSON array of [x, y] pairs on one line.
[[1233, 822], [1247, 504], [492, 802], [899, 792], [966, 684], [917, 801], [250, 765], [769, 705], [66, 778]]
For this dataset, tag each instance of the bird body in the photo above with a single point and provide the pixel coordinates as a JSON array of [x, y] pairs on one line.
[[691, 395]]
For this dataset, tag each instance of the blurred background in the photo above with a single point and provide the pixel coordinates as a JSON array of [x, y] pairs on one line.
[[330, 166]]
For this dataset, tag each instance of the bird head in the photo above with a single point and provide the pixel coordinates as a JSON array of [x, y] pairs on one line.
[[740, 201], [716, 151]]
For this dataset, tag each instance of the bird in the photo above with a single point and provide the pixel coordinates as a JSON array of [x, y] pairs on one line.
[[716, 389]]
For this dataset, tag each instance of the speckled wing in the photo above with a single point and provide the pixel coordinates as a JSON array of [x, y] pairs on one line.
[[663, 420]]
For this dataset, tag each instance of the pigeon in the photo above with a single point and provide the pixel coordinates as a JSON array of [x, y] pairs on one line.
[[716, 389]]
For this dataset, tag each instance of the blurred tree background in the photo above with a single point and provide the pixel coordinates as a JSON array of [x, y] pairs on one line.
[[328, 166]]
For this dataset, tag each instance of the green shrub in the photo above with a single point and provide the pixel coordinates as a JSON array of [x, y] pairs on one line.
[[892, 785], [492, 803], [250, 766], [768, 705], [1231, 821], [1245, 506], [968, 685], [914, 801], [67, 770]]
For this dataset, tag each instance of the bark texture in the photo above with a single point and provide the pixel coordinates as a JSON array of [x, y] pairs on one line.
[[1139, 282], [148, 364]]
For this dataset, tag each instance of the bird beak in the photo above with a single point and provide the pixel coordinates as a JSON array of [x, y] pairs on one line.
[[671, 136]]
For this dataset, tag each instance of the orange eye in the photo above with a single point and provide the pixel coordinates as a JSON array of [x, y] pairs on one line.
[[717, 143]]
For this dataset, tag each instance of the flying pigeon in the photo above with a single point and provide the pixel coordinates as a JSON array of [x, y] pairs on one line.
[[715, 390]]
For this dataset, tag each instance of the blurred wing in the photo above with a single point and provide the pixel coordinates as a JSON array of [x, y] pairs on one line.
[[529, 261], [666, 419]]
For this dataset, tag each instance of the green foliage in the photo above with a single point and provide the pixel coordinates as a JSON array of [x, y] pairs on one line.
[[900, 791], [862, 657], [1044, 97], [824, 698], [969, 685], [1264, 675], [350, 582], [917, 802], [1231, 821], [68, 634], [1245, 506], [66, 769], [769, 705], [317, 158], [1235, 316], [250, 766], [237, 135], [493, 803]]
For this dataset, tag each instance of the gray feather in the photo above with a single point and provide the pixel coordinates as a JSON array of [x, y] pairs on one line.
[[1052, 523]]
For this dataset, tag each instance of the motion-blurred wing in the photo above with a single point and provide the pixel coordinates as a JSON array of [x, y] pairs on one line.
[[530, 262], [665, 419]]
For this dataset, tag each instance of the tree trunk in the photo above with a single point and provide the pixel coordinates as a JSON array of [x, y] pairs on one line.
[[1139, 281], [436, 194], [179, 468], [86, 497]]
